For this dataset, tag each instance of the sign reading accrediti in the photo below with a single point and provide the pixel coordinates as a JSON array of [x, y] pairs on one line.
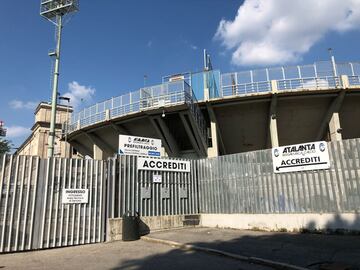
[[152, 164], [301, 157]]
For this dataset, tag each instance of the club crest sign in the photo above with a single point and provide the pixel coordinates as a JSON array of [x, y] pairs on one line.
[[301, 157]]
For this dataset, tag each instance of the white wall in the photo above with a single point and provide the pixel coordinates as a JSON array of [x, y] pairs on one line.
[[290, 222]]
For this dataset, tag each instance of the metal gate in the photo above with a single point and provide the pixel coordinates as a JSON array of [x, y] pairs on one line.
[[134, 190], [32, 215]]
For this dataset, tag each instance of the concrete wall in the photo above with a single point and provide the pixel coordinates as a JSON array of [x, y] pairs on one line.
[[277, 222], [147, 224]]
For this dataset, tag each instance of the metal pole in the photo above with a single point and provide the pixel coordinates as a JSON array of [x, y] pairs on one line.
[[51, 138], [66, 130]]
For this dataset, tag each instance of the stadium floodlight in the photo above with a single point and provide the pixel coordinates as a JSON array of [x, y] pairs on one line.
[[54, 11]]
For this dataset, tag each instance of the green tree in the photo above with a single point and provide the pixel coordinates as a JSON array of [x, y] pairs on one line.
[[5, 146]]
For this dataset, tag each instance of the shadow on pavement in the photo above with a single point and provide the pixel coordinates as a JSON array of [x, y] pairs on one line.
[[311, 250]]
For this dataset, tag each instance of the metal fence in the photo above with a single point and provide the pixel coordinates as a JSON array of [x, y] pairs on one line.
[[319, 75], [32, 215], [245, 183], [134, 191]]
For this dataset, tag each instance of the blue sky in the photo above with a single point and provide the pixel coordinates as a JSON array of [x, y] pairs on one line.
[[108, 48]]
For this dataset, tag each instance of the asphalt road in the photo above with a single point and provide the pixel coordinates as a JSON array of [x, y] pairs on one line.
[[120, 255], [305, 250]]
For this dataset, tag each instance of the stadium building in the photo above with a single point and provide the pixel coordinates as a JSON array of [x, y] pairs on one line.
[[209, 113]]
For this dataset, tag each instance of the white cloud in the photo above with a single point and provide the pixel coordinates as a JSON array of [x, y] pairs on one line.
[[19, 104], [149, 44], [266, 32], [79, 94], [193, 47], [17, 131]]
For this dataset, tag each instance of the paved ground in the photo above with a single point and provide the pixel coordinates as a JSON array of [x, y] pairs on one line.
[[120, 255], [307, 250]]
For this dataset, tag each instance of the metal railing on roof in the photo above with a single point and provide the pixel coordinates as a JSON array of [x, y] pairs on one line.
[[158, 96], [319, 75]]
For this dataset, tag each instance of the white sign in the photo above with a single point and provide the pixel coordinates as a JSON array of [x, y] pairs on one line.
[[75, 195], [157, 178], [301, 157], [152, 164], [139, 146]]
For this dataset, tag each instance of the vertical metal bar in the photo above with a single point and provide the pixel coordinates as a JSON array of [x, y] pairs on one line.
[[49, 160], [85, 205], [132, 192], [340, 157], [315, 70], [119, 195], [125, 184], [95, 198], [53, 165], [355, 146], [70, 179], [63, 186], [347, 167], [137, 196], [57, 202], [33, 203], [90, 200], [172, 193], [128, 183], [26, 202], [352, 69], [73, 207], [19, 206], [100, 216], [79, 205], [12, 204]]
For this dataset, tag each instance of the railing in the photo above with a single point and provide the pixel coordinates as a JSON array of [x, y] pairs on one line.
[[166, 94], [309, 83], [319, 75]]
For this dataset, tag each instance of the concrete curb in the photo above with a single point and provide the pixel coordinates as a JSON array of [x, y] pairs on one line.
[[255, 260]]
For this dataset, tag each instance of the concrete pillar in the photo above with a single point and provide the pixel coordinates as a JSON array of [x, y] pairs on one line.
[[345, 81], [335, 128], [163, 152], [213, 151], [272, 117], [206, 94], [274, 86], [107, 115], [274, 131], [98, 154]]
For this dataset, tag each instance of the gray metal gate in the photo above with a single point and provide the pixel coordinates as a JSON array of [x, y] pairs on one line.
[[32, 215], [134, 191]]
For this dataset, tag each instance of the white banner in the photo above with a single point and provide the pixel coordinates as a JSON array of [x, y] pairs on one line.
[[168, 165], [301, 157], [139, 146], [75, 195]]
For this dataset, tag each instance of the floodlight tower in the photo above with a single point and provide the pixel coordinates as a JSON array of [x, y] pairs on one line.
[[54, 11]]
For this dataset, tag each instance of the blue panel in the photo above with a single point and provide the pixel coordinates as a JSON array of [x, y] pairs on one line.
[[197, 84]]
